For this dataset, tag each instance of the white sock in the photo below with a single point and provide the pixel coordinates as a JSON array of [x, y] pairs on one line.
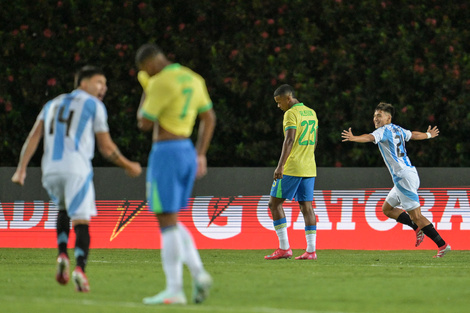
[[281, 230], [311, 236], [172, 259], [283, 238], [191, 256]]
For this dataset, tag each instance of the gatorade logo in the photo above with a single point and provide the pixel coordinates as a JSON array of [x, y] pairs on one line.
[[127, 215]]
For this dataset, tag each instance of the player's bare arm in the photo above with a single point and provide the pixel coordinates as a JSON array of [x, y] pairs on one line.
[[206, 130], [286, 149], [111, 152], [27, 152], [143, 123], [432, 132], [347, 135]]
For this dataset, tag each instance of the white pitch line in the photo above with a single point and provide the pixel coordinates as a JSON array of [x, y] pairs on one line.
[[378, 264], [179, 308]]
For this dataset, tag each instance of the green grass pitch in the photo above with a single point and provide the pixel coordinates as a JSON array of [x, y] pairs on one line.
[[339, 281]]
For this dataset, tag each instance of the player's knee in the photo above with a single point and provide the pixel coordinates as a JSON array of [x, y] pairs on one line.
[[275, 206], [271, 205], [306, 210], [387, 209]]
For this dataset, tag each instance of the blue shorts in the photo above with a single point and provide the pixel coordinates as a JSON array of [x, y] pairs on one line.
[[171, 172], [290, 187]]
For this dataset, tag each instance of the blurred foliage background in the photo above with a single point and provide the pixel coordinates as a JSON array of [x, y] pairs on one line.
[[342, 57]]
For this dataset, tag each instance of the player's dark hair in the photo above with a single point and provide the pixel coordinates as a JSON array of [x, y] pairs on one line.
[[146, 51], [284, 90], [386, 107], [86, 72]]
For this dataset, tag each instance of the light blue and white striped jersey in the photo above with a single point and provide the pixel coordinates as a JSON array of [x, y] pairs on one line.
[[70, 123], [391, 140]]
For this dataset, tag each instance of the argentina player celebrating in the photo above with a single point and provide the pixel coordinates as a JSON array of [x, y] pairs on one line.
[[391, 141], [69, 125]]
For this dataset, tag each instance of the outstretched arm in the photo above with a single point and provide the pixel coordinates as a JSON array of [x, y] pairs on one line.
[[27, 152], [347, 135], [430, 133]]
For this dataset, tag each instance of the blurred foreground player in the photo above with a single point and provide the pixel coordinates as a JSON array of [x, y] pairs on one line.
[[391, 141], [173, 97], [69, 124]]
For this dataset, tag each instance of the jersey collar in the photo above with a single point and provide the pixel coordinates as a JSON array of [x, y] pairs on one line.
[[172, 66], [297, 105]]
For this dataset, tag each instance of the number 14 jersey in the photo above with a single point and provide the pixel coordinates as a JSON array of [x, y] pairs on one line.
[[70, 123], [391, 141]]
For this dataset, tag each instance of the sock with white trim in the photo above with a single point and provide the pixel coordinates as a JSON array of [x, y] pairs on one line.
[[311, 236], [281, 230]]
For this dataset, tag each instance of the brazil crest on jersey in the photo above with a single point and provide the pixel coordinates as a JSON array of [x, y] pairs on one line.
[[301, 160]]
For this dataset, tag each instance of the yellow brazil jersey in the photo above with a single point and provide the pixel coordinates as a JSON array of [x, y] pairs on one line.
[[174, 97], [301, 160]]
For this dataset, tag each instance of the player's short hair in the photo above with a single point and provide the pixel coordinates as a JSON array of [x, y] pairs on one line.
[[386, 107], [284, 90], [86, 72], [146, 51]]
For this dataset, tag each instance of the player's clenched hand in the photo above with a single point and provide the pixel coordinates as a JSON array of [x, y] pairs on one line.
[[278, 172], [347, 134], [201, 166], [19, 177], [134, 169]]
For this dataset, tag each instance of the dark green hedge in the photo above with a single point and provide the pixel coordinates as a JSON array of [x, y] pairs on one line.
[[342, 56]]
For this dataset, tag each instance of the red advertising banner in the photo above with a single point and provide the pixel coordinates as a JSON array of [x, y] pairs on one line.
[[347, 219]]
